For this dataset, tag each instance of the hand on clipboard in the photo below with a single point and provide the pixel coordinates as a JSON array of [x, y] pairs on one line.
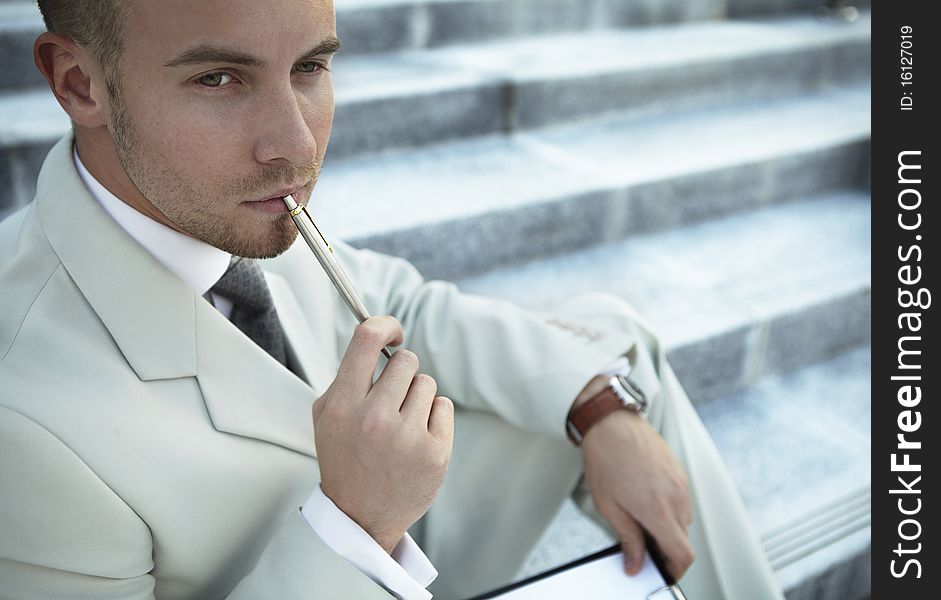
[[599, 576]]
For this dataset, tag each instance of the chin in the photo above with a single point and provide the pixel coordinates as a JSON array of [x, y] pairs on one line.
[[275, 242], [268, 240]]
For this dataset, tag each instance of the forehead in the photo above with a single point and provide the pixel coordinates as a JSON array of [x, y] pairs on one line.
[[158, 29]]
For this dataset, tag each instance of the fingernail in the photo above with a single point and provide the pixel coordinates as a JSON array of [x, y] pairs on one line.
[[628, 562]]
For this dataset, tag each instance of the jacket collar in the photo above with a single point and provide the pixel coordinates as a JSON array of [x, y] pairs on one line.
[[162, 328]]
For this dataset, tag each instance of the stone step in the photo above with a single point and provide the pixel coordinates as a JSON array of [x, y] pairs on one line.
[[528, 195], [416, 98], [735, 298], [798, 447], [20, 23], [370, 26], [419, 98], [737, 8], [511, 198]]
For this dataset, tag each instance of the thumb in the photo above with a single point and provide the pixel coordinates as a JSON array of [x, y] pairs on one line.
[[631, 536], [441, 419], [317, 408]]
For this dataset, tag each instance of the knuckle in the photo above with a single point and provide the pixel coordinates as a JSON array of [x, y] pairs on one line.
[[661, 508], [374, 425], [679, 489], [427, 382], [368, 332], [328, 409], [441, 459], [407, 358], [396, 324]]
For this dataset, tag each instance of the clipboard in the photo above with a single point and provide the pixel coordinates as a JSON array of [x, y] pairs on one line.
[[661, 586]]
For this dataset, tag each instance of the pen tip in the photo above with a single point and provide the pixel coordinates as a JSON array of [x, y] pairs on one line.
[[289, 202]]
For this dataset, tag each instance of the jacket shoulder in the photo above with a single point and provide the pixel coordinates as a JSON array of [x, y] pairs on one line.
[[27, 263], [85, 527]]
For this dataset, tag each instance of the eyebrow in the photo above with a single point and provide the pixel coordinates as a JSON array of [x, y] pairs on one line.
[[205, 53]]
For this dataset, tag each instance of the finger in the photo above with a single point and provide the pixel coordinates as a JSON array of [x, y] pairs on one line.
[[441, 419], [420, 397], [631, 537], [362, 354], [686, 511], [682, 501], [395, 380], [674, 547]]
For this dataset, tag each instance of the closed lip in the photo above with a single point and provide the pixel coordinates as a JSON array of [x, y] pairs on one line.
[[279, 195]]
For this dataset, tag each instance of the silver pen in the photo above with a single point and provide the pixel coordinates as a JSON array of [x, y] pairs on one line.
[[324, 253]]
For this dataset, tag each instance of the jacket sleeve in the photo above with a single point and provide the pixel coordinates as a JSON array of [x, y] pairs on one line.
[[489, 354], [66, 534]]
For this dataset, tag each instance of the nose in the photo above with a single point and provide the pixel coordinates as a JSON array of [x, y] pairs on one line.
[[284, 123]]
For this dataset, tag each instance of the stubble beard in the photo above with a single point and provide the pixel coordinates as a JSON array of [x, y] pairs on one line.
[[213, 222]]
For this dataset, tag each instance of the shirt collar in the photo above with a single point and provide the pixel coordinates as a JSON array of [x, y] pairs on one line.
[[197, 263]]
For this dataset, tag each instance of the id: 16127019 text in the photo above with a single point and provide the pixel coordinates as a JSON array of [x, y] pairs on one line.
[[907, 101]]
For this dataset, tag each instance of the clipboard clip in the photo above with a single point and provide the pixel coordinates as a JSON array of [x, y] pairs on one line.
[[670, 592]]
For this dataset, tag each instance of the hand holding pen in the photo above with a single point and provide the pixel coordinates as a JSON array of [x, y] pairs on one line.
[[383, 447]]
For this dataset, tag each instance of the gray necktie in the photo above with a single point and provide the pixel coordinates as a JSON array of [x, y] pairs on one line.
[[253, 309]]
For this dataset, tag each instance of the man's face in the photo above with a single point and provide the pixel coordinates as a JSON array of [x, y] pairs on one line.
[[221, 104]]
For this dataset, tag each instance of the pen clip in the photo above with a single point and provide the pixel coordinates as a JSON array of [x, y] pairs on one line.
[[317, 229]]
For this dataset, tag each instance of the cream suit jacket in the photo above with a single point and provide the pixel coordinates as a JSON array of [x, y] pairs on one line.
[[149, 449]]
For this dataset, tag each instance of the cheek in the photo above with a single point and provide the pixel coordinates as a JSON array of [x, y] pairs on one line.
[[320, 118], [192, 137]]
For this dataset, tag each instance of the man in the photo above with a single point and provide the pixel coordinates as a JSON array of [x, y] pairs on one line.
[[177, 421]]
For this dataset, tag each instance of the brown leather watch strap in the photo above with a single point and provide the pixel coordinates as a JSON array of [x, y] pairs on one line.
[[583, 418]]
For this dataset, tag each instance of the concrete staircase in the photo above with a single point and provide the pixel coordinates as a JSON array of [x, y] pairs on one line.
[[708, 160]]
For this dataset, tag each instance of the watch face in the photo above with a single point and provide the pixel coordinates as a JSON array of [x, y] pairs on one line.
[[631, 395]]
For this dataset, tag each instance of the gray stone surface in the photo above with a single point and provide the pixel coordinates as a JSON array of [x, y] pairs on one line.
[[430, 104], [798, 447], [29, 125], [738, 8], [718, 162], [470, 20], [734, 298], [661, 69], [364, 25], [412, 98], [751, 7], [715, 365], [18, 175], [373, 26], [842, 570], [807, 427], [19, 25], [818, 331], [427, 97], [377, 25]]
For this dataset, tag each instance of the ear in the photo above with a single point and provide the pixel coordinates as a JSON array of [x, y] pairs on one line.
[[74, 77]]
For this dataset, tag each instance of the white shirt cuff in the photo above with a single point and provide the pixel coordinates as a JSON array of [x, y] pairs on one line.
[[621, 366], [405, 573]]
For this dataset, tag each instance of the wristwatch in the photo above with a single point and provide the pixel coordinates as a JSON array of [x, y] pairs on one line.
[[621, 392]]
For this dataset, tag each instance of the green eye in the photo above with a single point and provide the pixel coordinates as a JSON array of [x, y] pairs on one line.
[[214, 79], [308, 66]]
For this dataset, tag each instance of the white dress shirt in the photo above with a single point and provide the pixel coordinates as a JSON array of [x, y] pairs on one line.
[[407, 572]]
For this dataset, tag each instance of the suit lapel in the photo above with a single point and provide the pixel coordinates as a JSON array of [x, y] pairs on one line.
[[311, 354], [162, 328], [247, 392]]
